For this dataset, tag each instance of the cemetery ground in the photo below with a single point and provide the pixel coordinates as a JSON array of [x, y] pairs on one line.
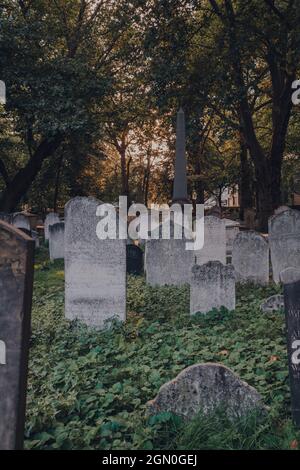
[[88, 389]]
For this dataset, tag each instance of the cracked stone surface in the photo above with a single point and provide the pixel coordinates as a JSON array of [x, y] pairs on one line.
[[203, 388]]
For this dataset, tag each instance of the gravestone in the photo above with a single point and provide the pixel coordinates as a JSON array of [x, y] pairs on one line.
[[250, 258], [56, 241], [212, 286], [20, 221], [95, 270], [214, 248], [273, 304], [281, 209], [284, 240], [232, 228], [35, 237], [135, 259], [290, 277], [168, 262], [204, 388], [51, 219], [16, 277]]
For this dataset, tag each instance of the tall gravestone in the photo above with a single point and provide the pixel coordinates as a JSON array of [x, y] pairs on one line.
[[51, 219], [284, 240], [16, 277], [290, 277], [250, 258], [95, 270], [20, 221], [214, 248], [56, 241], [212, 286]]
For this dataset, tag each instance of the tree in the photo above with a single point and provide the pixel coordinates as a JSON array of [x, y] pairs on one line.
[[57, 62]]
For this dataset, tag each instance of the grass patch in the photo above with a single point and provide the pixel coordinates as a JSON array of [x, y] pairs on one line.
[[89, 389]]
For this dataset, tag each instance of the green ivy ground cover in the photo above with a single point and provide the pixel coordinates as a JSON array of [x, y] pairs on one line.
[[88, 389]]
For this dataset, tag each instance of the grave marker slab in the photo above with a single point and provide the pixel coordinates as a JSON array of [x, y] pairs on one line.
[[284, 241], [50, 219], [290, 277], [16, 277], [21, 221], [167, 262], [214, 248], [250, 258], [212, 286], [203, 388], [56, 241], [95, 270]]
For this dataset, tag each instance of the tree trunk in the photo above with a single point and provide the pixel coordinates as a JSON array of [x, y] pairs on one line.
[[246, 200], [57, 181], [199, 187], [20, 184]]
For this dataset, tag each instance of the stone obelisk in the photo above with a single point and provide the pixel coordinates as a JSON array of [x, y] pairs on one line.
[[180, 194]]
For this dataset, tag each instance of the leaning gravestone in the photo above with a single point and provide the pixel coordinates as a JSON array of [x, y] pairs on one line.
[[20, 221], [205, 388], [51, 219], [95, 270], [290, 277], [134, 259], [16, 276], [284, 240], [212, 286], [250, 258], [56, 241], [214, 248], [168, 262]]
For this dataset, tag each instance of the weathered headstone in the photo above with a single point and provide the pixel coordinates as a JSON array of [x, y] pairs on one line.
[[205, 388], [250, 258], [290, 277], [273, 304], [168, 262], [284, 240], [212, 286], [232, 228], [56, 241], [51, 219], [281, 209], [95, 270], [16, 277], [214, 248], [135, 259], [20, 221]]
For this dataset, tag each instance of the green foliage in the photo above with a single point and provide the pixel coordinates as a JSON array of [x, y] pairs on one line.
[[88, 389]]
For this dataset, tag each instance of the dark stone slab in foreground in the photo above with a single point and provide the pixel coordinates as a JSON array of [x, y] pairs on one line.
[[16, 276], [290, 277]]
